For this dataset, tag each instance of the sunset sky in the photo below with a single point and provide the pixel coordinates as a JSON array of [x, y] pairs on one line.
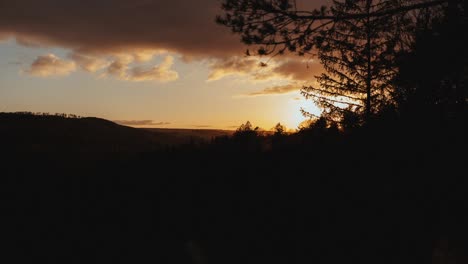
[[150, 63]]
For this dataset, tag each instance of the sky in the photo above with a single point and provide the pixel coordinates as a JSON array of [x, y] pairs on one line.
[[143, 63]]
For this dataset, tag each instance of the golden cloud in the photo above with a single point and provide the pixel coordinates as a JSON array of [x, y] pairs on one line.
[[232, 66], [256, 70], [51, 65], [161, 72], [275, 90], [89, 63]]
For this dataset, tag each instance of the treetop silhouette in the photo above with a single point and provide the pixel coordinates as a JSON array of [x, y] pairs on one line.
[[356, 42], [278, 26]]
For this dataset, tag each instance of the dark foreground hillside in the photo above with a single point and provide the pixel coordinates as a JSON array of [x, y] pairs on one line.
[[382, 194]]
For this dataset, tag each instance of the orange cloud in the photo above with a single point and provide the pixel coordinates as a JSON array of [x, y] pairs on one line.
[[146, 55], [89, 63], [288, 68], [280, 89], [232, 66], [51, 65], [161, 72], [118, 69]]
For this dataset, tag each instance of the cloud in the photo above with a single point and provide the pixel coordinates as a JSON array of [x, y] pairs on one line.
[[298, 70], [107, 34], [51, 65], [182, 26], [89, 63], [287, 68], [162, 72], [146, 55], [231, 66], [28, 42], [141, 123], [275, 90], [118, 69], [3, 37]]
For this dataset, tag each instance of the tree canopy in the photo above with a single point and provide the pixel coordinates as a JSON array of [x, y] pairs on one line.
[[278, 26], [356, 42]]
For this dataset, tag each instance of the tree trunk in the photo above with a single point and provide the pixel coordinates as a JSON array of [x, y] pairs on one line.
[[369, 54]]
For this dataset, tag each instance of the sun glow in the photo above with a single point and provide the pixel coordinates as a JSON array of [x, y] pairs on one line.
[[292, 114], [295, 117]]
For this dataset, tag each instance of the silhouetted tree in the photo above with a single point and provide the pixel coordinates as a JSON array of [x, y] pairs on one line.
[[247, 137], [356, 41], [279, 25], [246, 128], [315, 127], [279, 129], [321, 134], [279, 137], [358, 56]]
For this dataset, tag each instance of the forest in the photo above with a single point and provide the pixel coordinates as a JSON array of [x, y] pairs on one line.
[[378, 177]]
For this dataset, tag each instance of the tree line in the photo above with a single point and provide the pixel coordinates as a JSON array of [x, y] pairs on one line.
[[45, 114]]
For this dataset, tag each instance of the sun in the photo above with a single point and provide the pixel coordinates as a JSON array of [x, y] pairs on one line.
[[293, 116]]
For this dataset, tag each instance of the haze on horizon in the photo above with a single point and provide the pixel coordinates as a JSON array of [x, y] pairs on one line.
[[145, 63]]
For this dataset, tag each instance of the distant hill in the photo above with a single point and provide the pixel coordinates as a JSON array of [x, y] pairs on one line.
[[24, 132], [35, 133]]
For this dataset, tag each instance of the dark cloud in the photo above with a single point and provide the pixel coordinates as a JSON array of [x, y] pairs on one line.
[[141, 123], [100, 33], [183, 26]]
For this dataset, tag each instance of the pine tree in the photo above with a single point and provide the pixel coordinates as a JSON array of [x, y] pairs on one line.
[[358, 56], [355, 40]]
